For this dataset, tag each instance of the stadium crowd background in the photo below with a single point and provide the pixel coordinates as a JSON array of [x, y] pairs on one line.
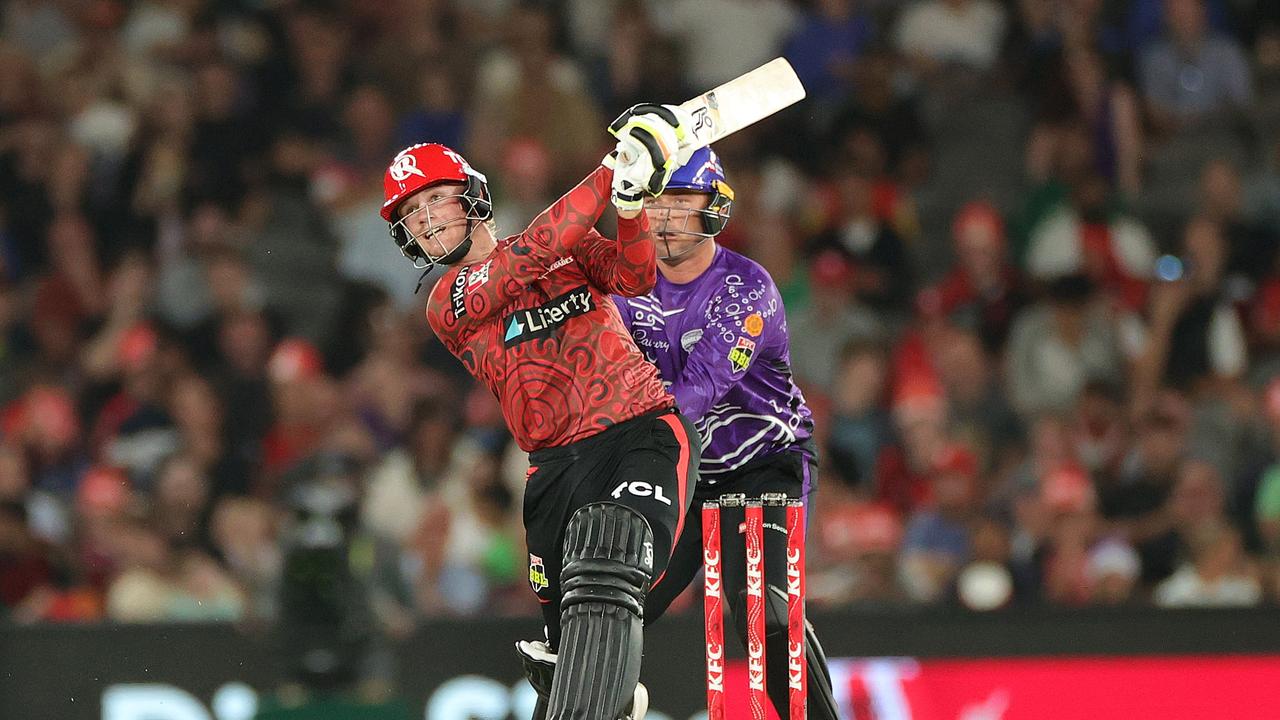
[[1028, 251]]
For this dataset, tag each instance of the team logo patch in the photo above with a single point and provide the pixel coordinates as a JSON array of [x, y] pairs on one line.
[[691, 338], [480, 275], [740, 354], [403, 167], [543, 320], [753, 324], [537, 573], [458, 293]]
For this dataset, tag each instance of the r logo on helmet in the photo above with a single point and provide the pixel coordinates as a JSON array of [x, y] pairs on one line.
[[403, 167]]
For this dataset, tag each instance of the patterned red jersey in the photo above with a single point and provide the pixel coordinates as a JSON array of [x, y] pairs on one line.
[[534, 321]]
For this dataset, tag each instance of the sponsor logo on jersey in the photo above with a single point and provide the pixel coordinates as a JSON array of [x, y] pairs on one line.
[[458, 293], [691, 338], [543, 320], [556, 266], [537, 573], [753, 324], [741, 353]]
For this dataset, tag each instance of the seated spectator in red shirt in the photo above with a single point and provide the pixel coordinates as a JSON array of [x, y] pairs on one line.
[[984, 290]]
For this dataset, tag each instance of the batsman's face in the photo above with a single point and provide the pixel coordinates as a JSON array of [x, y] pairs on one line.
[[675, 219], [435, 218]]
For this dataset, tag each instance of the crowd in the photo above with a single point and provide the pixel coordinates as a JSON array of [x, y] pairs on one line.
[[1028, 251]]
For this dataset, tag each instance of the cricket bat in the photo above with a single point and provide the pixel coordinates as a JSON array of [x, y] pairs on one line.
[[742, 101]]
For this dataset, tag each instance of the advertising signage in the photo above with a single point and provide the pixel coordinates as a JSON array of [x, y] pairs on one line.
[[913, 666]]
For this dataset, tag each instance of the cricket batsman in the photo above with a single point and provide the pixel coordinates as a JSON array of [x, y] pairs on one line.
[[612, 460]]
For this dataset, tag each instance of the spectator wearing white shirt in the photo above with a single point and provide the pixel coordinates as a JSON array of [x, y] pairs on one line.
[[936, 33], [1219, 574]]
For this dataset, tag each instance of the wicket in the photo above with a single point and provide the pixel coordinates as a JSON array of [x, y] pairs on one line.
[[713, 603]]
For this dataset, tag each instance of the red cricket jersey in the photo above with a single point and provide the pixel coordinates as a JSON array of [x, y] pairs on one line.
[[534, 321]]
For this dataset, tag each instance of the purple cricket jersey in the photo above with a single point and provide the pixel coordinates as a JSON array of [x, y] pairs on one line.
[[720, 344]]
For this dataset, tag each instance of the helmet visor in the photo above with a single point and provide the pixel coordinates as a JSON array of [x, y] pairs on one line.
[[425, 227]]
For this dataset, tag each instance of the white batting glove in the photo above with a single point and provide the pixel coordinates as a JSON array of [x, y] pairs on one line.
[[658, 131], [631, 177]]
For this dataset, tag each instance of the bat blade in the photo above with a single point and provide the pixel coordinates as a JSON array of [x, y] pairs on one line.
[[744, 100]]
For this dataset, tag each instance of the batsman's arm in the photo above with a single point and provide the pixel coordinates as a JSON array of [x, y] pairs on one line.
[[627, 266], [472, 294]]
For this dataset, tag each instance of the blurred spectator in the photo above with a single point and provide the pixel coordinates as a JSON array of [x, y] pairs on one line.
[[919, 424], [134, 430], [142, 589], [937, 34], [1218, 575], [223, 139], [1100, 430], [44, 423], [988, 582], [978, 413], [1193, 74], [984, 292], [853, 553], [25, 564], [832, 318], [389, 382], [244, 533], [633, 62], [1089, 236], [859, 423], [938, 538], [180, 503], [826, 45], [298, 385], [1070, 506], [291, 240], [27, 164], [1134, 499], [711, 32], [203, 591], [531, 90], [1195, 339], [1058, 346], [428, 470], [1112, 573], [875, 102], [1251, 245], [1085, 94], [528, 170], [881, 270], [438, 115]]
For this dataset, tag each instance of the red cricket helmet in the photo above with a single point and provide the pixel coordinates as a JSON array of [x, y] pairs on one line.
[[421, 166]]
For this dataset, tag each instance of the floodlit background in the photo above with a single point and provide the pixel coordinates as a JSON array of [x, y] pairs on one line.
[[1028, 251]]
